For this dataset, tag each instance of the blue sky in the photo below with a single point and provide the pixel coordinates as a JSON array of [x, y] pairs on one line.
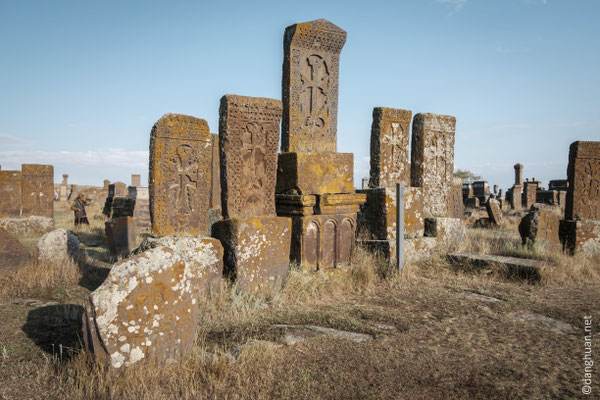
[[82, 83]]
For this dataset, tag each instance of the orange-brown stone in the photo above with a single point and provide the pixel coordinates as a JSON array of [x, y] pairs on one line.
[[10, 194], [37, 190], [583, 173], [12, 253]]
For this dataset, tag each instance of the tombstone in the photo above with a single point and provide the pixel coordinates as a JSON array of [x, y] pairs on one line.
[[540, 226], [558, 184], [136, 180], [494, 213], [37, 190], [495, 189], [120, 235], [256, 242], [467, 191], [500, 194], [12, 253], [518, 174], [365, 183], [481, 189], [529, 194], [583, 193], [10, 193], [472, 202], [106, 183], [139, 196], [215, 192], [432, 156], [107, 210], [120, 189], [515, 197], [389, 147], [180, 176], [456, 208], [547, 197], [310, 86]]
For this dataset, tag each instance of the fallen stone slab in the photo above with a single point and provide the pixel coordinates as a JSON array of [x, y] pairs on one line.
[[300, 335], [353, 336], [523, 268], [480, 297], [542, 321]]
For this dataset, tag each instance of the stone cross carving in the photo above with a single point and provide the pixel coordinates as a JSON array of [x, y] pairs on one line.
[[583, 173], [38, 190]]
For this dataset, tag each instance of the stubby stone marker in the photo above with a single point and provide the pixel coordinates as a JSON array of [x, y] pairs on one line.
[[180, 176], [310, 86], [432, 160], [38, 190]]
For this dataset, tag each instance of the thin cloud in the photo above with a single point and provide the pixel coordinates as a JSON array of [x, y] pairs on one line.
[[454, 5], [90, 158], [13, 141]]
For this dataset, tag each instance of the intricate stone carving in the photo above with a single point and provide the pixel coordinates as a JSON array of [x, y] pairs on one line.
[[180, 176], [248, 141], [583, 193], [432, 156], [310, 85], [37, 190], [10, 194], [389, 147]]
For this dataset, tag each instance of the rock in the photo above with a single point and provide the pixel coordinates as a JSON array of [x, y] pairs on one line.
[[188, 248], [516, 267], [494, 213], [147, 307], [27, 225], [12, 253], [300, 335], [58, 245], [353, 336], [542, 321], [450, 232], [540, 226]]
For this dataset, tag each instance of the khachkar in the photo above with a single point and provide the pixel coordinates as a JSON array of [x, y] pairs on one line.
[[180, 176], [256, 242], [315, 184], [10, 193], [37, 190], [432, 160], [580, 230]]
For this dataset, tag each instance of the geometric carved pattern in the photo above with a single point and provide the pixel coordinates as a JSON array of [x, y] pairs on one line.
[[180, 176], [248, 142], [310, 86]]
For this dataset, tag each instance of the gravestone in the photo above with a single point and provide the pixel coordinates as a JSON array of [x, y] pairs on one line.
[[310, 86], [583, 193], [37, 190], [541, 226], [515, 197], [494, 212], [120, 189], [467, 191], [10, 194], [456, 208], [180, 176], [12, 253], [529, 194], [432, 156], [136, 180], [120, 235], [389, 147], [139, 197], [249, 136], [558, 184], [518, 174], [256, 242], [215, 191]]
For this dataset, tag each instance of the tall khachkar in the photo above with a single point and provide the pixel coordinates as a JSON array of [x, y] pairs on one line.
[[256, 242], [310, 86], [580, 230], [315, 183], [180, 176]]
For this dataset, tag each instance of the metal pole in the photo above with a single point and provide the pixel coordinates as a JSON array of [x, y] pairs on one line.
[[400, 225]]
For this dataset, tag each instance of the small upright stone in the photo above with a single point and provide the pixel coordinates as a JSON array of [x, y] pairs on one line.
[[310, 86], [432, 156], [58, 245], [120, 235], [180, 176], [541, 225], [10, 194], [249, 136], [494, 212], [389, 147], [38, 190], [136, 180]]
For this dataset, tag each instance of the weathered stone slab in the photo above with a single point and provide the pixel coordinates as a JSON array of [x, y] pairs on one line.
[[580, 236], [518, 174], [467, 191], [256, 250], [545, 322], [432, 156], [310, 86], [494, 212], [515, 267], [180, 176], [390, 136], [449, 232], [415, 249], [10, 193], [340, 203], [215, 191], [378, 214], [323, 241], [558, 184], [540, 226], [27, 225], [147, 307], [547, 196], [315, 173], [120, 235], [136, 180], [295, 204], [472, 202], [248, 142], [529, 195], [12, 253], [456, 208], [140, 196], [515, 197], [583, 173], [37, 190], [58, 245], [190, 248], [481, 189]]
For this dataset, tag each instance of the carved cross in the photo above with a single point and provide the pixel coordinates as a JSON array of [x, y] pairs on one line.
[[316, 81], [395, 142]]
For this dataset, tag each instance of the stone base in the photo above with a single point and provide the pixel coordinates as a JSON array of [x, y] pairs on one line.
[[315, 173], [120, 235], [256, 250], [342, 203], [27, 225], [580, 236], [378, 214], [295, 204], [323, 241], [414, 249], [449, 232]]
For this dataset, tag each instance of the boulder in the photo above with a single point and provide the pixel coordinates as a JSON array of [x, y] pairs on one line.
[[58, 245], [541, 225]]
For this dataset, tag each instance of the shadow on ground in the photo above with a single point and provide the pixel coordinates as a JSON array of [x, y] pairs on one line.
[[92, 276], [55, 329]]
